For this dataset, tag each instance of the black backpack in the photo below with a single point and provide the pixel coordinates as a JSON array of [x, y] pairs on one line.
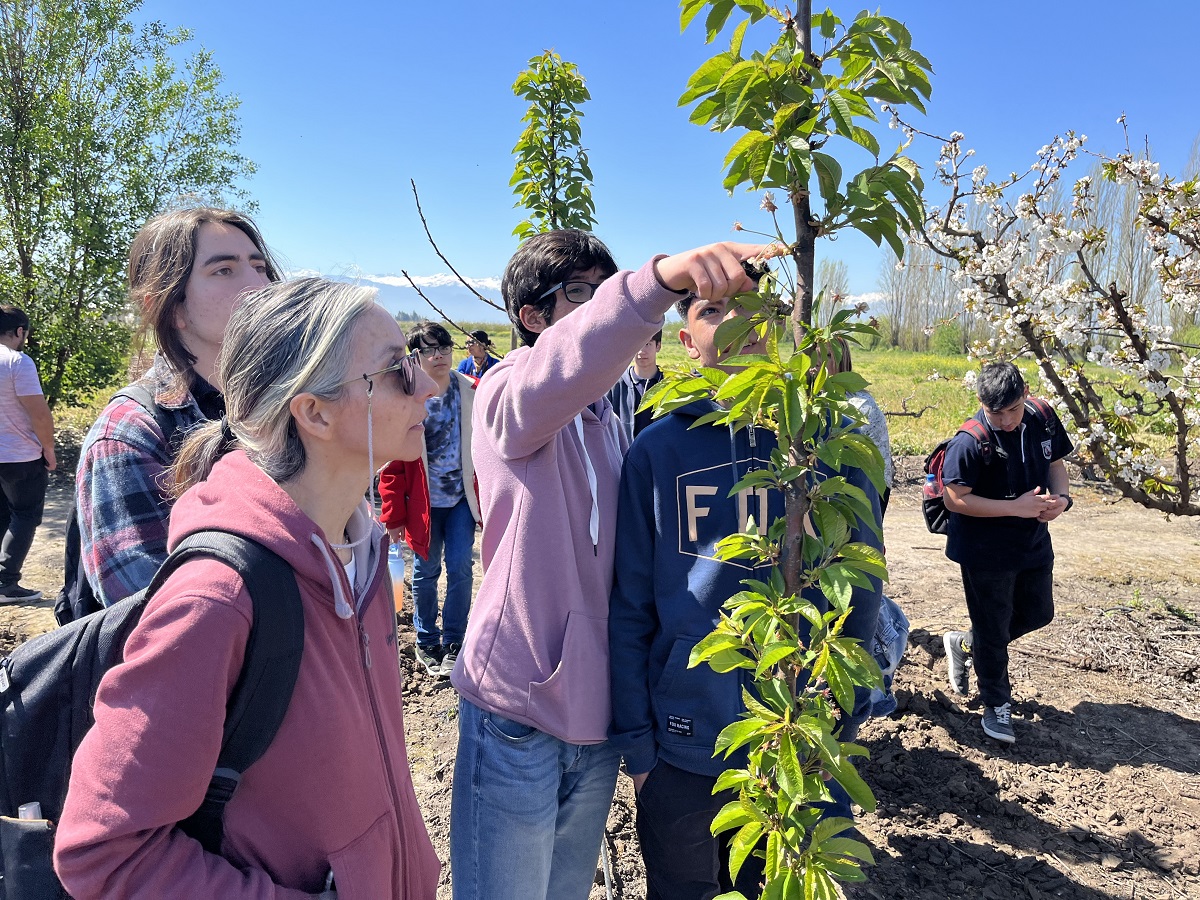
[[76, 598], [933, 505], [48, 689]]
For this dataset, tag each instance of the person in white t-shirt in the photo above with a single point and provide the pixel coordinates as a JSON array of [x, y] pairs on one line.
[[26, 454]]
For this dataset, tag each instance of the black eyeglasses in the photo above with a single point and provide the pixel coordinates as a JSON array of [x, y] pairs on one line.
[[406, 371], [575, 291], [429, 352]]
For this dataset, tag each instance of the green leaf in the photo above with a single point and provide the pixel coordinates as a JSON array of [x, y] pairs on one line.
[[848, 847], [839, 109], [739, 34], [826, 22], [788, 774], [840, 685], [717, 17], [773, 654], [727, 660], [706, 78], [775, 692], [847, 776], [732, 815], [829, 173], [742, 846], [737, 734], [744, 144], [864, 139], [711, 644], [829, 828], [689, 10], [731, 778]]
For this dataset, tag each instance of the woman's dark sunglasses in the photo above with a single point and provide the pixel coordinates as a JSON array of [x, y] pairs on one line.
[[406, 370]]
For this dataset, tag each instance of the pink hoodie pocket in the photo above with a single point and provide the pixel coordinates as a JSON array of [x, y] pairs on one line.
[[365, 869], [573, 703]]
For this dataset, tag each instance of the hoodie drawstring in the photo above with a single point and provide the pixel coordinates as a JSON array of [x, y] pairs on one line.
[[594, 518]]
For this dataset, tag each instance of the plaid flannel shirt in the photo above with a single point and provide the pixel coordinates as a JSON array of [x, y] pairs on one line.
[[122, 487]]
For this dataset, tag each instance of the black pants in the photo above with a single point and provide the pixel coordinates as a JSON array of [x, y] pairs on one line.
[[1004, 604], [684, 861], [22, 499]]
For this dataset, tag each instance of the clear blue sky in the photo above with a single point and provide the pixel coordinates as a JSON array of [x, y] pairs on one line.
[[344, 102]]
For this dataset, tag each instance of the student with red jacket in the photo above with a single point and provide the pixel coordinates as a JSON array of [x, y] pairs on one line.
[[432, 503], [311, 370]]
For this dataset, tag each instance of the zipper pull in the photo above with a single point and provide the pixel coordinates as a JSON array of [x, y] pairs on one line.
[[366, 642], [753, 439]]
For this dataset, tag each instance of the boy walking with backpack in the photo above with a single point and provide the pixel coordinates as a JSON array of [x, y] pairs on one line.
[[1001, 494]]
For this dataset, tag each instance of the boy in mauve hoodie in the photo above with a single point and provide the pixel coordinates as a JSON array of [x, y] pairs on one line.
[[667, 596], [534, 775]]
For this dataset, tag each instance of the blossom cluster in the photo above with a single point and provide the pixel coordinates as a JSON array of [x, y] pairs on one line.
[[1026, 263]]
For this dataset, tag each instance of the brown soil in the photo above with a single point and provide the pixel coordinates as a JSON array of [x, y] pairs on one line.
[[1099, 798]]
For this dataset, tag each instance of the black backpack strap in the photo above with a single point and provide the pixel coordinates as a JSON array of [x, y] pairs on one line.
[[143, 396], [1043, 411], [76, 598], [272, 661]]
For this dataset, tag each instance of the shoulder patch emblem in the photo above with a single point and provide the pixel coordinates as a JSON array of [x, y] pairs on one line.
[[1046, 449]]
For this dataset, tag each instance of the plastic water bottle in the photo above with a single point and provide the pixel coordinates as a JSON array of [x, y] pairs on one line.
[[930, 488], [396, 571]]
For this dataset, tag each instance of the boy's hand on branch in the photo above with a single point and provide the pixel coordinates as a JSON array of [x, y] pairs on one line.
[[713, 272]]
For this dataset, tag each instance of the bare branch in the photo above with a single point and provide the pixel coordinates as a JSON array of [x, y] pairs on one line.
[[905, 411], [442, 257], [421, 294]]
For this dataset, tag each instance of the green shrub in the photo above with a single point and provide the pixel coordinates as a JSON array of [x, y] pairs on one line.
[[948, 339]]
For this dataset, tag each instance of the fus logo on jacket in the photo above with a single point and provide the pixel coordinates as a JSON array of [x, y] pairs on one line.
[[1046, 449], [707, 513]]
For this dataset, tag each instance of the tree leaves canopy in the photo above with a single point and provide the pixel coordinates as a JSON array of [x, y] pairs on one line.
[[552, 178], [100, 129]]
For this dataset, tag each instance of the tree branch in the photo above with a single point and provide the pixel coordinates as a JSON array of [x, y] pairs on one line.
[[432, 305], [442, 257]]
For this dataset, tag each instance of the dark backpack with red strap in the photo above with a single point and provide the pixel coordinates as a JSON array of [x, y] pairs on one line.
[[937, 517]]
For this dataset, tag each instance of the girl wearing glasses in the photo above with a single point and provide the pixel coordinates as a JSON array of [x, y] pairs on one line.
[[432, 502], [319, 385], [534, 774], [187, 270]]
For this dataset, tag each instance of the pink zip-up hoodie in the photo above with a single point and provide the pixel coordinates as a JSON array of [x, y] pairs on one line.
[[536, 649], [333, 791]]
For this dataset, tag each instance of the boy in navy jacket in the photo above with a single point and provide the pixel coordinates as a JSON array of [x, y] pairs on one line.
[[667, 594], [1000, 497]]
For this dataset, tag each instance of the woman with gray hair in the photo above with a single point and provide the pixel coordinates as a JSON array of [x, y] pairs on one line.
[[319, 385]]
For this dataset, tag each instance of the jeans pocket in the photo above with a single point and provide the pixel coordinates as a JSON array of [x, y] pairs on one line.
[[507, 730]]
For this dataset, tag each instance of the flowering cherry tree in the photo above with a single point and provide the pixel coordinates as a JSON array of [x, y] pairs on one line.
[[1030, 267]]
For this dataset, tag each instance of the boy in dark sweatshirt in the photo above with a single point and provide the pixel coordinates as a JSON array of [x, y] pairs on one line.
[[674, 506]]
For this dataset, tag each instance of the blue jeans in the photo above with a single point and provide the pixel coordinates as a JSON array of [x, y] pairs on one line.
[[528, 810], [452, 531]]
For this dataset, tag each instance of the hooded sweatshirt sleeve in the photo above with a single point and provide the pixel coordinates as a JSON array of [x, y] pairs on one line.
[[527, 401], [633, 621], [146, 763]]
